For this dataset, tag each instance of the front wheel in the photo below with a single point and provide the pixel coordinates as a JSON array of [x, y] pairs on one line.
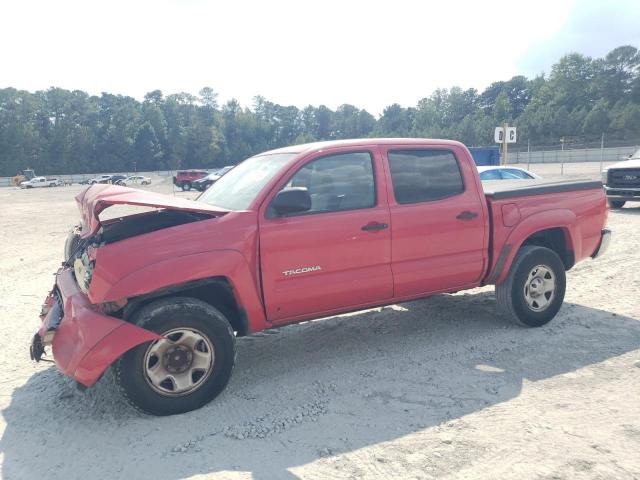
[[186, 186], [534, 290], [616, 203], [185, 370]]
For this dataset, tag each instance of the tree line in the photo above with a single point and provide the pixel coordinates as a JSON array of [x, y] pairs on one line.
[[61, 131]]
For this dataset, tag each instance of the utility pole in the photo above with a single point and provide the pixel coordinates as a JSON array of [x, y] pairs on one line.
[[504, 144], [528, 154], [562, 161], [601, 150]]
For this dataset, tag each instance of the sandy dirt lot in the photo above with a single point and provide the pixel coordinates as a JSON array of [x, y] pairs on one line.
[[436, 388]]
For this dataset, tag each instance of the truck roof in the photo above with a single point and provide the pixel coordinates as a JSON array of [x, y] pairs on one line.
[[308, 147]]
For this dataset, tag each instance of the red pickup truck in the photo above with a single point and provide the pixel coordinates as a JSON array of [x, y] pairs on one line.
[[294, 234]]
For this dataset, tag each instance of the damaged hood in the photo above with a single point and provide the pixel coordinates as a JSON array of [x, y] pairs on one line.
[[96, 198]]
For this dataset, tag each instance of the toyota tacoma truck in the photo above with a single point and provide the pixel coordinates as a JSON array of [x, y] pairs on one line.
[[295, 234], [622, 181]]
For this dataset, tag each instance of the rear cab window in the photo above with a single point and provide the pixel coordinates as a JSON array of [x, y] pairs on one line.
[[424, 175]]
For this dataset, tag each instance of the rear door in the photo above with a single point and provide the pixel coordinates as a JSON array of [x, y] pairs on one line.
[[337, 255], [437, 220]]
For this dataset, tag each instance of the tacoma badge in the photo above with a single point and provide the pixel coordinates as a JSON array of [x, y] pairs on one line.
[[300, 270]]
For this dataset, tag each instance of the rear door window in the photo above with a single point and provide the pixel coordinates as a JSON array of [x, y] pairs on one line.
[[424, 175]]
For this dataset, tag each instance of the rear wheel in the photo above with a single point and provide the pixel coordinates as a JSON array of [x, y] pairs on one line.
[[534, 290], [616, 203], [186, 369], [186, 186]]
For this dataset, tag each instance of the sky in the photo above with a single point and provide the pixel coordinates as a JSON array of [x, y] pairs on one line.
[[366, 53]]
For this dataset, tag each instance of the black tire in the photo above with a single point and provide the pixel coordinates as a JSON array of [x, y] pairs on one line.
[[162, 316], [510, 295], [71, 244], [186, 186], [616, 203]]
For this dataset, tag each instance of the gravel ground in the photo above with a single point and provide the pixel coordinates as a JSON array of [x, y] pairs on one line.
[[436, 388]]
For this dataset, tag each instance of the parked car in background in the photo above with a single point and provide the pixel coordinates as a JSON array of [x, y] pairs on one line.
[[184, 178], [622, 181], [38, 182], [134, 180], [505, 173], [205, 182], [114, 179], [100, 179], [295, 234]]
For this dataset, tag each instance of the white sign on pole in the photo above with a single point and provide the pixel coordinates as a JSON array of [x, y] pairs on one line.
[[498, 135]]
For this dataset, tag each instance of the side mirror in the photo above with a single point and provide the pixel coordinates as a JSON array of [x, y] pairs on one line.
[[291, 200]]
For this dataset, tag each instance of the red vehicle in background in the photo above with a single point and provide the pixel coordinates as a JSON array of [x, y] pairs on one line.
[[294, 234], [184, 178]]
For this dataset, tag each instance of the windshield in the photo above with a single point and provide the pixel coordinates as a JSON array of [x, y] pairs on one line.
[[636, 154], [237, 189]]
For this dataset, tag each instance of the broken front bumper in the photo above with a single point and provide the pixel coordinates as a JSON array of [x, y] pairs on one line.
[[84, 341]]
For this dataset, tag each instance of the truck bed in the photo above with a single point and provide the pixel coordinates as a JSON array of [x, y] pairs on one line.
[[499, 189]]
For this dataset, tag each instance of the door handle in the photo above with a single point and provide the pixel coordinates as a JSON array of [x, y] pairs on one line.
[[466, 215], [374, 226]]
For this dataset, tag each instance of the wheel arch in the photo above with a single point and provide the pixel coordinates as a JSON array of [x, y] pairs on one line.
[[554, 229], [209, 275], [215, 291], [557, 239]]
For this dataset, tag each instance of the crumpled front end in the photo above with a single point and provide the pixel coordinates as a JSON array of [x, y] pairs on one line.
[[84, 341]]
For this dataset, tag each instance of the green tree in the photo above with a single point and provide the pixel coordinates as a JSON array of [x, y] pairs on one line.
[[147, 149]]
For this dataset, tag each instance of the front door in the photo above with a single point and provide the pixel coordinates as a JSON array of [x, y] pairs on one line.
[[438, 221], [336, 255]]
